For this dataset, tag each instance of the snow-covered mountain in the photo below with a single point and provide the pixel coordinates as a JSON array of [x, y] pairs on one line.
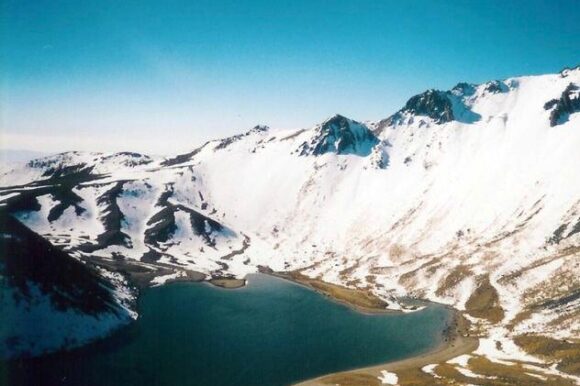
[[49, 300], [465, 192]]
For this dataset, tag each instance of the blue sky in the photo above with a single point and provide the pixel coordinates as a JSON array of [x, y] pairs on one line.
[[164, 76]]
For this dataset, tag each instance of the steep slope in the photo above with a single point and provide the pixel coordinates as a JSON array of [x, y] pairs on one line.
[[468, 197], [51, 301]]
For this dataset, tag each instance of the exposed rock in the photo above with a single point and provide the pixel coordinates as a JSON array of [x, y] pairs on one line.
[[202, 225], [66, 198], [495, 87], [463, 88], [566, 71], [258, 129], [433, 104], [183, 157], [112, 219], [162, 226], [380, 157], [340, 135], [129, 159], [560, 109], [60, 165]]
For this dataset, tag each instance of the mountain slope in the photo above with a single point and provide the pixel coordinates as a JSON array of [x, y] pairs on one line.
[[468, 197], [51, 301]]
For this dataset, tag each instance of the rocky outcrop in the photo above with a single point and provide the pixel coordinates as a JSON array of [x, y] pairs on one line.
[[258, 129], [66, 198], [112, 219], [182, 158], [560, 109], [76, 164], [433, 104], [340, 135], [495, 87], [128, 159], [162, 225]]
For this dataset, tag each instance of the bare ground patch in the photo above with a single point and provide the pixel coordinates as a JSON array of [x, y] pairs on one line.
[[453, 279], [565, 353], [484, 301], [365, 300], [514, 374]]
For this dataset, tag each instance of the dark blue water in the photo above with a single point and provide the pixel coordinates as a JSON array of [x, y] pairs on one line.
[[271, 332]]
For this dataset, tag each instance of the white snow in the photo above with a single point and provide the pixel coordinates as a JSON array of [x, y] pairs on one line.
[[160, 280], [430, 369], [388, 378], [484, 193]]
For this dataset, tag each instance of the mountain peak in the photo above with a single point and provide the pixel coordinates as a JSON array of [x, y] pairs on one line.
[[340, 135], [434, 104], [464, 88], [495, 87], [566, 71], [337, 117], [446, 106], [259, 129]]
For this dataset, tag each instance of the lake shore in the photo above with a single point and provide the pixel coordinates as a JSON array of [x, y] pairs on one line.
[[455, 340], [409, 369], [455, 343], [361, 300]]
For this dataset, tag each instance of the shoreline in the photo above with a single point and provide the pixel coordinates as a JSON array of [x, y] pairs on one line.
[[456, 344], [356, 299], [454, 340]]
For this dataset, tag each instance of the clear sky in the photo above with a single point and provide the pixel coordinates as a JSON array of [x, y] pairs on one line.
[[164, 76]]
